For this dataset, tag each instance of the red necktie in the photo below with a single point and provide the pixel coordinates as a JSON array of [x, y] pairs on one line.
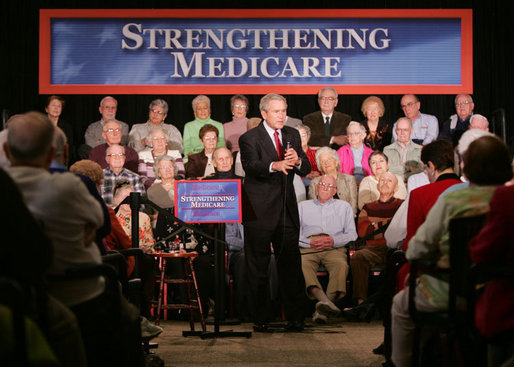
[[279, 145]]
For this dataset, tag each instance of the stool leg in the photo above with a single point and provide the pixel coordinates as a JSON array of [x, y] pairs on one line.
[[187, 275], [161, 291], [193, 274]]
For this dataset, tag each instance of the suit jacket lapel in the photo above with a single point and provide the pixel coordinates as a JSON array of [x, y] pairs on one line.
[[268, 146]]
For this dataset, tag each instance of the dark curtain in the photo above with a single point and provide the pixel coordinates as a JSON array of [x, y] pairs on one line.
[[492, 53]]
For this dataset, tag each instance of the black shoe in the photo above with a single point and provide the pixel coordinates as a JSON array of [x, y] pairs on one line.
[[260, 328], [363, 312], [380, 350], [295, 326]]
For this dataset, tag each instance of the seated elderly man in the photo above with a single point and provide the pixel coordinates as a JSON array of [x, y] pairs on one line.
[[425, 128], [453, 128], [115, 157], [70, 216], [158, 110], [112, 134], [487, 164], [372, 218], [326, 226], [404, 155]]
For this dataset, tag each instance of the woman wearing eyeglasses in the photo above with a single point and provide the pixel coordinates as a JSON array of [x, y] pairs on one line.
[[329, 163], [237, 127], [159, 147], [199, 165], [158, 110]]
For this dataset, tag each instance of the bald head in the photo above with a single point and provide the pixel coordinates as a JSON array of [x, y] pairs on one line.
[[387, 186], [222, 159], [29, 140]]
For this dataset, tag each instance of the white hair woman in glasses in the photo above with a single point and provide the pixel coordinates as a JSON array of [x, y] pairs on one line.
[[354, 156], [157, 113], [159, 147], [328, 162]]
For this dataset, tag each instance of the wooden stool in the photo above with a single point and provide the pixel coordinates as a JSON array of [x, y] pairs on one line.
[[188, 279]]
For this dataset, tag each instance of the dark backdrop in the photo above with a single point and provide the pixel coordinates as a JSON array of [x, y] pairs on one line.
[[19, 22]]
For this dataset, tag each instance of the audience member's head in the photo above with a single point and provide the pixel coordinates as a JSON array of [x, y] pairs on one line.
[[157, 111], [464, 105], [327, 100], [379, 163], [222, 160], [478, 122], [373, 108], [108, 108], [54, 106], [29, 140], [387, 186], [165, 166], [468, 137], [122, 189], [112, 132], [410, 105], [157, 140], [60, 144], [403, 130], [305, 135], [239, 106], [90, 169], [327, 187], [487, 161], [115, 157], [202, 107], [328, 160], [437, 157]]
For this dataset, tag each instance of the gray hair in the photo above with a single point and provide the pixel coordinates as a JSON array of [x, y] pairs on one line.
[[30, 136], [266, 100], [355, 123], [149, 137], [161, 103], [478, 116], [467, 95], [199, 99], [327, 88], [234, 98], [112, 120], [305, 127], [161, 158], [109, 148], [469, 137], [106, 98], [332, 152]]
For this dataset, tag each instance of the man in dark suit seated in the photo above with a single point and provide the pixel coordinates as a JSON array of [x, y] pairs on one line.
[[328, 127], [271, 155]]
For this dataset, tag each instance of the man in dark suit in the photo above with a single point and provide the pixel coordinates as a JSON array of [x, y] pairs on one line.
[[328, 127], [271, 155]]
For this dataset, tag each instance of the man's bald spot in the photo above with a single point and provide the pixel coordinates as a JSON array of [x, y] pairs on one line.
[[30, 136], [391, 175], [404, 120], [219, 150]]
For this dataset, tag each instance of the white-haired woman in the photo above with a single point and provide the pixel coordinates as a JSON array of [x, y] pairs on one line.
[[158, 148], [157, 112], [328, 162], [202, 110], [355, 155]]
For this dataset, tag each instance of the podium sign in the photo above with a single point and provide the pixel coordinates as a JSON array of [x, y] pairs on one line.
[[209, 201]]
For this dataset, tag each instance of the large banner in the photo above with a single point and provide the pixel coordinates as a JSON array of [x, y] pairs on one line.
[[220, 51]]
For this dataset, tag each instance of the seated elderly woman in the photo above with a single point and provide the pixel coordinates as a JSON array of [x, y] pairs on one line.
[[378, 132], [199, 165], [202, 111], [328, 162], [158, 110], [157, 141], [355, 155], [368, 190], [237, 127], [305, 135], [162, 193]]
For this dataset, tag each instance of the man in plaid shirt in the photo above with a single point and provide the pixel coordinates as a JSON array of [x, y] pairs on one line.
[[115, 158]]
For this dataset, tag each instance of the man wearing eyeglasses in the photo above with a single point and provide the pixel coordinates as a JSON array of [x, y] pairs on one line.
[[158, 110], [425, 127], [112, 133], [326, 226], [453, 128], [328, 127], [94, 133], [115, 157]]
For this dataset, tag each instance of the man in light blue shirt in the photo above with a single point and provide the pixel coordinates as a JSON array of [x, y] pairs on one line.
[[425, 127], [326, 226]]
